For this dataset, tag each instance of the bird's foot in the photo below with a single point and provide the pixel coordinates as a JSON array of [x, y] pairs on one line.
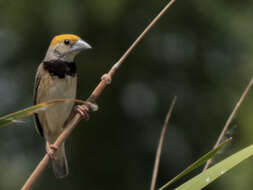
[[84, 109], [51, 149]]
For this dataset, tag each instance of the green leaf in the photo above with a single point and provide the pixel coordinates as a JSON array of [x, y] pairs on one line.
[[196, 164], [207, 177], [13, 117]]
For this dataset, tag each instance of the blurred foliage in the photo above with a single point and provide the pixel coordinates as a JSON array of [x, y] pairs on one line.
[[200, 51]]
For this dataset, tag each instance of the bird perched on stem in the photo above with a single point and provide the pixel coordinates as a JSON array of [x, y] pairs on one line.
[[56, 78]]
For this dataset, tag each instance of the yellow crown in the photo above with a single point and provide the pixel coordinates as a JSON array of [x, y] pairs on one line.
[[62, 37]]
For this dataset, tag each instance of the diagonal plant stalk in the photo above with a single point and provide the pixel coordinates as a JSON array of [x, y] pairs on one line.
[[159, 148], [231, 116], [106, 79]]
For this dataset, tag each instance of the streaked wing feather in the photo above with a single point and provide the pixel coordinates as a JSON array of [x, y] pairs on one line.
[[37, 122]]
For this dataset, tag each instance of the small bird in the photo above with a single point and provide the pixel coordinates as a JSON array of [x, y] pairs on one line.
[[56, 78]]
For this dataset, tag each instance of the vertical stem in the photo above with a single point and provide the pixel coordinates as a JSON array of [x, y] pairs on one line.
[[159, 148]]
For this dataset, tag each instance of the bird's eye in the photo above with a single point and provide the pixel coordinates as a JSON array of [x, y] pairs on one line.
[[66, 42]]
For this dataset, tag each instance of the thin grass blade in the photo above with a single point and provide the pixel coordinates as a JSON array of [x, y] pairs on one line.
[[12, 117], [205, 178], [196, 164]]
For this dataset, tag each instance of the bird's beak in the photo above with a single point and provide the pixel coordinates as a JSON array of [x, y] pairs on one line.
[[80, 45]]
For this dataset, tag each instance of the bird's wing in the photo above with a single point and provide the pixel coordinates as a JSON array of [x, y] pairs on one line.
[[36, 96]]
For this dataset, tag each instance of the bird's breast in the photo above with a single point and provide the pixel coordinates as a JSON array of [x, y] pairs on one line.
[[62, 88], [58, 113]]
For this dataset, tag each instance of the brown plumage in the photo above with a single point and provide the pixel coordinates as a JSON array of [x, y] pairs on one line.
[[56, 78]]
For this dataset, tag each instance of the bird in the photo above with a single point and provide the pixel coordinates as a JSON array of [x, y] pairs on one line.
[[56, 78]]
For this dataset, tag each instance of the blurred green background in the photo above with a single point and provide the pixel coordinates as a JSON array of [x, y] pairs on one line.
[[200, 51]]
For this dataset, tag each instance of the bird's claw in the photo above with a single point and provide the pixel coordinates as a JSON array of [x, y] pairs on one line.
[[84, 109], [51, 149]]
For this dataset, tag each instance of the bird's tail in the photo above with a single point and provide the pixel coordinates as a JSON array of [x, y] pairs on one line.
[[60, 164]]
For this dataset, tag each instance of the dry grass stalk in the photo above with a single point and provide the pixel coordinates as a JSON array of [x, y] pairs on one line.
[[231, 116], [159, 147]]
